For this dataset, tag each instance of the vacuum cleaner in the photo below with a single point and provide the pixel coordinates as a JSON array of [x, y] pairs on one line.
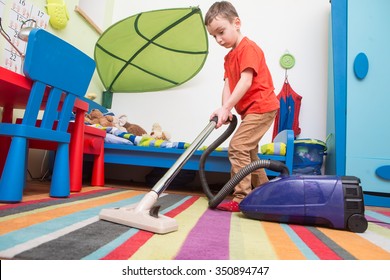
[[329, 201], [335, 202]]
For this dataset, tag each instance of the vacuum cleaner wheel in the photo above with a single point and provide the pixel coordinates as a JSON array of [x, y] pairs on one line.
[[357, 223]]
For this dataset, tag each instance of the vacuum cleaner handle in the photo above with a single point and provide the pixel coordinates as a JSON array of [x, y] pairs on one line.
[[214, 119], [233, 122]]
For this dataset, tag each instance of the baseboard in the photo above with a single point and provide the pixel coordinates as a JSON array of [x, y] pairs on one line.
[[377, 199]]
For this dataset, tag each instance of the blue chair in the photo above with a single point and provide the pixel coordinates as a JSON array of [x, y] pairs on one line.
[[60, 73]]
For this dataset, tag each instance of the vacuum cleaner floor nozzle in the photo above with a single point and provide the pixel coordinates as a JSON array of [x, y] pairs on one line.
[[144, 215], [139, 216]]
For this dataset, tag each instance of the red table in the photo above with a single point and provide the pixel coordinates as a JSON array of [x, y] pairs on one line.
[[14, 93]]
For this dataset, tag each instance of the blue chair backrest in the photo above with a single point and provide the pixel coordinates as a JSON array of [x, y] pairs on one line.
[[60, 73]]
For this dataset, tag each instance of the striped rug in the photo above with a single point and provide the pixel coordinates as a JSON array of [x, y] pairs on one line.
[[44, 228]]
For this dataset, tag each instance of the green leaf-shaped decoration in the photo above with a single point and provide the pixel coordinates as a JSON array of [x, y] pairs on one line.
[[152, 51]]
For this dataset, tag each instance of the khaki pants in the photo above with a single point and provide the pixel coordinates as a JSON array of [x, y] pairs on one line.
[[243, 149]]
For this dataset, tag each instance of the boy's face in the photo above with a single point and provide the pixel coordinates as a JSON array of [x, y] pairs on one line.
[[226, 33]]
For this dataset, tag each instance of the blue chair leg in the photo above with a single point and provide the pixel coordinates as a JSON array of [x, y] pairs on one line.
[[13, 179], [60, 184]]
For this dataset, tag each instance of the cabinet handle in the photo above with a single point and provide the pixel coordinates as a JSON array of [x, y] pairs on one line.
[[383, 172]]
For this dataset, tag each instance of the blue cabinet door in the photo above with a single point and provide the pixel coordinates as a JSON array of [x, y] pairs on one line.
[[368, 92], [360, 93]]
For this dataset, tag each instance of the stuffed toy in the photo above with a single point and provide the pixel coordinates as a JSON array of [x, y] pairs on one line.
[[97, 117], [130, 127], [158, 133]]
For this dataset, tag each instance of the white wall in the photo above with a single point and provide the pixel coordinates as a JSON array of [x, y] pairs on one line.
[[299, 27]]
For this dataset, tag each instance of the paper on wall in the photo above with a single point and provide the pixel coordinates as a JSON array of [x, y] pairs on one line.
[[20, 12]]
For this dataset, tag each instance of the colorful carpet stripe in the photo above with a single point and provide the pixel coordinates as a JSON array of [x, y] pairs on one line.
[[45, 228]]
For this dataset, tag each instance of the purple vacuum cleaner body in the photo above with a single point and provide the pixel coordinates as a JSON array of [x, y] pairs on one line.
[[330, 201]]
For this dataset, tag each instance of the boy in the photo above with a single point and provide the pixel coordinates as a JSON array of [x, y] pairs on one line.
[[248, 87]]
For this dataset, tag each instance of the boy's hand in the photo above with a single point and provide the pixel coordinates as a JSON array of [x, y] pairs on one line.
[[223, 115]]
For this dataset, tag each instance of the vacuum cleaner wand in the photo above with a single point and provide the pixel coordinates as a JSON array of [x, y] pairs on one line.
[[144, 215], [164, 182]]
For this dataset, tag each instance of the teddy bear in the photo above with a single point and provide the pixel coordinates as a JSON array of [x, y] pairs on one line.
[[108, 120], [97, 117], [158, 134]]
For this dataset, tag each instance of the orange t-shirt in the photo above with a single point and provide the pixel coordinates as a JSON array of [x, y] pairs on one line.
[[260, 97]]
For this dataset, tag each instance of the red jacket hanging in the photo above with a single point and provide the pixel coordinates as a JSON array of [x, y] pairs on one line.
[[288, 113]]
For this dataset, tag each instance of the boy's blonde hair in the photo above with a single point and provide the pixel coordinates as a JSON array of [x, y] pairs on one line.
[[223, 9]]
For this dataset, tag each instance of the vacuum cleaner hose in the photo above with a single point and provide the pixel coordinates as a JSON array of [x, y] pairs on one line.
[[229, 186], [214, 201], [211, 148]]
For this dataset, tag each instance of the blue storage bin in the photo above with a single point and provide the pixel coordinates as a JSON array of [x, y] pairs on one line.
[[308, 156]]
